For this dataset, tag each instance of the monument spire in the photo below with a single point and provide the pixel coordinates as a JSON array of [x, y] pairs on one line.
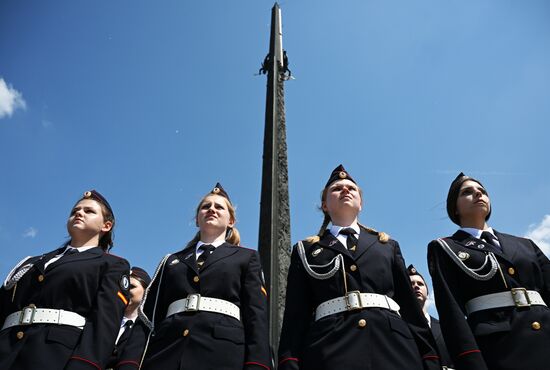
[[274, 236]]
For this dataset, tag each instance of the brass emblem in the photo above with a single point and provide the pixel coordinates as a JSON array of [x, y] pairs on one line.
[[463, 255], [316, 252], [176, 261], [413, 270], [216, 190], [342, 175], [87, 194]]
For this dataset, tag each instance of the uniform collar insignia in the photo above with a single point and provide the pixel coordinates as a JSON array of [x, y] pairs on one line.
[[463, 255], [175, 262], [470, 243], [332, 242], [316, 252]]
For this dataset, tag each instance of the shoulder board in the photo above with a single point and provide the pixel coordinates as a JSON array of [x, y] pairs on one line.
[[382, 236], [311, 239]]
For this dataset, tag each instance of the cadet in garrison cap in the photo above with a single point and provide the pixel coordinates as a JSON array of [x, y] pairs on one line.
[[420, 288], [139, 281], [491, 289], [207, 304], [349, 302], [62, 309]]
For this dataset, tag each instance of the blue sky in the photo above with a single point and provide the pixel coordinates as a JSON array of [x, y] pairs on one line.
[[153, 103]]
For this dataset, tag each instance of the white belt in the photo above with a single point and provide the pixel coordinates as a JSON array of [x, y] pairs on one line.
[[355, 300], [32, 315], [517, 297], [196, 302]]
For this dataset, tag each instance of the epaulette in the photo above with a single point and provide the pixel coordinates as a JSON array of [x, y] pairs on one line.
[[382, 236], [312, 239]]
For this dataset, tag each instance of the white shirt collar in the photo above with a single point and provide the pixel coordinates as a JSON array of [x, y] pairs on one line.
[[80, 249], [216, 244], [335, 229], [477, 232]]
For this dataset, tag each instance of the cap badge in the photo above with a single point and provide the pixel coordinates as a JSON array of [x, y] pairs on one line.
[[342, 175], [87, 194], [216, 190], [413, 270]]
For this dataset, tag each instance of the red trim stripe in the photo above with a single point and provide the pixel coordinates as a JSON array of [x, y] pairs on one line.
[[87, 361], [431, 357], [128, 362], [289, 359], [257, 363], [469, 352]]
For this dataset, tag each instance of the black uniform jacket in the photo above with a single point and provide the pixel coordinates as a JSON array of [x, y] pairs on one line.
[[501, 338], [207, 340], [440, 341], [117, 358], [90, 283], [343, 341]]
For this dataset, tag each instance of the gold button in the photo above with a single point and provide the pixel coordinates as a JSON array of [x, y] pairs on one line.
[[362, 323], [511, 271], [353, 267], [20, 335], [196, 279], [40, 278], [535, 325], [186, 332]]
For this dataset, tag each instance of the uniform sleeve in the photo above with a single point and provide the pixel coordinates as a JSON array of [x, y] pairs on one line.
[[544, 265], [458, 336], [130, 357], [102, 325], [255, 317], [297, 316], [412, 313]]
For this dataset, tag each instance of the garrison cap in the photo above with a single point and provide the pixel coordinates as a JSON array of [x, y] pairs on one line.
[[95, 195], [219, 190], [141, 275], [339, 173]]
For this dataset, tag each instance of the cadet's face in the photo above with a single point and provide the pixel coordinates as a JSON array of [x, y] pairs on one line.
[[136, 291], [420, 289], [342, 196], [473, 201], [214, 213], [87, 218]]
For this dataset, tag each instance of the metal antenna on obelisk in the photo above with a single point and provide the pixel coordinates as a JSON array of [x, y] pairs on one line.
[[274, 238]]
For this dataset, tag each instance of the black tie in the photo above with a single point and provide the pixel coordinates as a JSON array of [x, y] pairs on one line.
[[490, 239], [206, 250], [351, 240], [70, 251]]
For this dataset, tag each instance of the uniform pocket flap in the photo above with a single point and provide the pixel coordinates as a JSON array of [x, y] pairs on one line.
[[66, 335], [232, 333], [398, 325]]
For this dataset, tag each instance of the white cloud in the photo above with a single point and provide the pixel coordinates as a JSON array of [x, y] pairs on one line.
[[31, 232], [540, 234], [10, 99]]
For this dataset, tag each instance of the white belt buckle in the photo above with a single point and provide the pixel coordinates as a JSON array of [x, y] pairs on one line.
[[520, 297], [27, 315], [353, 300], [193, 301]]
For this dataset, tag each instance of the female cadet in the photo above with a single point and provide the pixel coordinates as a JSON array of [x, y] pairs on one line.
[[349, 302], [207, 304], [491, 289], [62, 310]]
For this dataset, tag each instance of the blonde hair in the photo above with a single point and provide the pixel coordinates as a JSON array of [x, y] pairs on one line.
[[232, 235], [382, 236]]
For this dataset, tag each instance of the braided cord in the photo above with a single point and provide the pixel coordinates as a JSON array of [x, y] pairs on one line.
[[490, 257], [338, 261]]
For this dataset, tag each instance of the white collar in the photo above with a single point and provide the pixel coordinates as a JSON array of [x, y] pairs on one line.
[[335, 229], [80, 249], [477, 232]]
